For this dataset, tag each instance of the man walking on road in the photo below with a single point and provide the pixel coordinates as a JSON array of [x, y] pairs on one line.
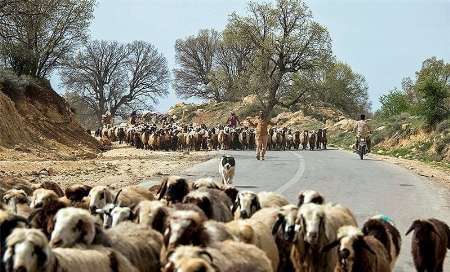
[[261, 134]]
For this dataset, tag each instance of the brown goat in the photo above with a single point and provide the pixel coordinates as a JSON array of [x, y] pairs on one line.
[[387, 234], [429, 244]]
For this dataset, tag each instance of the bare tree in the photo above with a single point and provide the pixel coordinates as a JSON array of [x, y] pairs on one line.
[[35, 35], [195, 57], [210, 66], [117, 77]]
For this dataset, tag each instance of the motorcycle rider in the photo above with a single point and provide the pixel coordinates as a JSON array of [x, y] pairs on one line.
[[362, 129]]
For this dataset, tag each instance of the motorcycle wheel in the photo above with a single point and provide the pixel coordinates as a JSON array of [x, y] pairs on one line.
[[362, 151]]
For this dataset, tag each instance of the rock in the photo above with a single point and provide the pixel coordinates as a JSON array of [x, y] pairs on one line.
[[380, 128]]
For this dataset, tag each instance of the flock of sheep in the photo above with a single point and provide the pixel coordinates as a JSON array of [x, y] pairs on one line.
[[182, 137], [199, 226]]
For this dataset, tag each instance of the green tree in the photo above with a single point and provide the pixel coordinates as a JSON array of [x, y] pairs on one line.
[[434, 100], [394, 103], [36, 35], [433, 90], [285, 40], [336, 85]]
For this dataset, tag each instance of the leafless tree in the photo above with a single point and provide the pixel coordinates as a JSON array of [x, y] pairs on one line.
[[210, 66], [117, 77], [195, 58], [35, 35]]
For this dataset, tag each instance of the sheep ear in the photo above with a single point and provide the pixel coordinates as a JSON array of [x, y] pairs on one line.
[[87, 231], [277, 224], [236, 204], [318, 200], [413, 226], [135, 212], [256, 204], [367, 247], [163, 188], [301, 200], [330, 246], [41, 256]]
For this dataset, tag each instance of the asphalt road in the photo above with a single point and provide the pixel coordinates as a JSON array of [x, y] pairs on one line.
[[368, 187]]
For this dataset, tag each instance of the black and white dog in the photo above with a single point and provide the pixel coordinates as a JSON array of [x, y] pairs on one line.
[[227, 167]]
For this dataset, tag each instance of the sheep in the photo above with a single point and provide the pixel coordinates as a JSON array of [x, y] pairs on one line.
[[8, 222], [42, 218], [318, 225], [247, 203], [41, 197], [310, 196], [271, 199], [121, 214], [224, 256], [205, 183], [51, 185], [285, 234], [382, 228], [173, 189], [357, 252], [154, 214], [129, 197], [77, 192], [140, 244], [282, 221], [28, 250], [214, 203], [186, 227], [430, 241], [256, 233], [17, 201]]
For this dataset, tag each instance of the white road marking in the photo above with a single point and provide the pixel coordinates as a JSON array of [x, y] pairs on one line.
[[296, 178]]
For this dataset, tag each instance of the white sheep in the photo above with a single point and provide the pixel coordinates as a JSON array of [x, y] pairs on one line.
[[256, 233], [41, 197], [310, 196], [318, 226], [154, 214], [129, 197], [214, 203], [205, 183], [223, 256], [247, 203], [17, 201], [28, 250], [140, 244]]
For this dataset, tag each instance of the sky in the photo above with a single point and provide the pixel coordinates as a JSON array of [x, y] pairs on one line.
[[384, 40]]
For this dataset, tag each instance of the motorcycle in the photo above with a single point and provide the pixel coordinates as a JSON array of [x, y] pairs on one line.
[[362, 148]]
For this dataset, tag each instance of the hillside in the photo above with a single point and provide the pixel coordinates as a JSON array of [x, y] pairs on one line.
[[37, 123], [403, 136]]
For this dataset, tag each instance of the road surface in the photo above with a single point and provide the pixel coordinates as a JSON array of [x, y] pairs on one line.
[[368, 187]]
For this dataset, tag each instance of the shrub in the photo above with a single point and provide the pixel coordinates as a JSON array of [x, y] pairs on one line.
[[433, 103], [442, 126]]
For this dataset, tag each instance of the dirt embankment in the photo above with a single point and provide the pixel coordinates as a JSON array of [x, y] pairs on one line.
[[37, 123]]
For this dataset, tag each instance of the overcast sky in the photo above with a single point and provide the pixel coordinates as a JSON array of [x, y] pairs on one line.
[[385, 40]]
